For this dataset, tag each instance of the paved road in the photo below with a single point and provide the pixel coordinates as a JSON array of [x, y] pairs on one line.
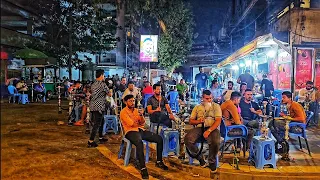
[[33, 146]]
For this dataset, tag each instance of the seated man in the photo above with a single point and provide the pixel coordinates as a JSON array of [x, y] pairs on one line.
[[22, 87], [249, 110], [232, 116], [133, 125], [227, 92], [307, 98], [182, 89], [78, 97], [130, 90], [209, 115], [158, 108], [147, 88], [39, 89], [295, 111], [216, 91]]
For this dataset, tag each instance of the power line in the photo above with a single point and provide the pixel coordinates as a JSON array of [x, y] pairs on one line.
[[303, 35]]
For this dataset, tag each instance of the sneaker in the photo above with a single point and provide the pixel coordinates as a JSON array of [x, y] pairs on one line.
[[92, 144], [203, 163], [144, 173], [102, 140], [78, 123], [161, 165], [213, 167]]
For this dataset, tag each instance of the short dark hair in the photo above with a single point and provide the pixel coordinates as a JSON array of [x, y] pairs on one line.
[[235, 94], [288, 94], [144, 77], [40, 81], [155, 86], [130, 82], [214, 81], [206, 92], [78, 82], [309, 82], [230, 82], [247, 90], [99, 73], [123, 78], [247, 70], [127, 97], [200, 67], [264, 75], [243, 83]]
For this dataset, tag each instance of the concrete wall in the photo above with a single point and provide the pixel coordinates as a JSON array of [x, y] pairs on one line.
[[305, 30]]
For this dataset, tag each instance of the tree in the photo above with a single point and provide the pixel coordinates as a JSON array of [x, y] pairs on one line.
[[176, 21], [80, 23]]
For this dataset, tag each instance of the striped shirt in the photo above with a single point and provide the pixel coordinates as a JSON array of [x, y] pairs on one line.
[[99, 90]]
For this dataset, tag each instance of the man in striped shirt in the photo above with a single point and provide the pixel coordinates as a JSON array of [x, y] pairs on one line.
[[97, 106]]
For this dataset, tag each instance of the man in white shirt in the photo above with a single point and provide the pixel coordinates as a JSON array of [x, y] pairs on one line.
[[130, 90]]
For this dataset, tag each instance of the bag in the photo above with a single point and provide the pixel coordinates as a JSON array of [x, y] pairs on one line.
[[282, 147]]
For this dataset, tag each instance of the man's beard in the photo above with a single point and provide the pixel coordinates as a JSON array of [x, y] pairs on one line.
[[308, 88], [157, 93], [249, 99]]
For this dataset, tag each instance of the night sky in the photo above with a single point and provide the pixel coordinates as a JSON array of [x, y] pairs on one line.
[[208, 16]]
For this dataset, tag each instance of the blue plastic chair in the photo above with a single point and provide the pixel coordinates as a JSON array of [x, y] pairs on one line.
[[174, 100], [296, 98], [262, 152], [12, 93], [145, 99], [171, 142], [224, 130], [111, 123], [129, 148], [23, 98], [303, 134], [191, 159], [154, 125]]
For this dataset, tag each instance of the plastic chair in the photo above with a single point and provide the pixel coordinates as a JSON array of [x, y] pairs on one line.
[[224, 130], [153, 125], [145, 99], [296, 98], [12, 93], [191, 159], [23, 98], [303, 134], [111, 123], [171, 142], [174, 100], [129, 147], [262, 152]]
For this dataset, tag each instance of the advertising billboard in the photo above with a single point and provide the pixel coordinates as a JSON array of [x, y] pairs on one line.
[[149, 48], [303, 67]]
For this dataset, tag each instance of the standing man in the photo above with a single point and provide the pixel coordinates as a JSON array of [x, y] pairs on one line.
[[266, 86], [159, 109], [163, 85], [97, 106], [246, 78], [201, 80], [209, 114]]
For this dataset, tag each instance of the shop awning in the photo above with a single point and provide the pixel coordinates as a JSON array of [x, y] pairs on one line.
[[245, 50]]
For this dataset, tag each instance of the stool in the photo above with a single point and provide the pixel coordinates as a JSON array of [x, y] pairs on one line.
[[128, 151], [191, 159], [23, 99], [154, 125], [262, 152], [171, 142], [110, 123]]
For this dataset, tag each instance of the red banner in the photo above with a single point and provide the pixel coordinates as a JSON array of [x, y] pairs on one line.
[[303, 67], [317, 78], [273, 73], [284, 76]]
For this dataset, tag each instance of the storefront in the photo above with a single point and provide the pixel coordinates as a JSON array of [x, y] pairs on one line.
[[263, 55]]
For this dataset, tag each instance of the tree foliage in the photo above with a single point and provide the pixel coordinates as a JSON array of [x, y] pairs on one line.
[[92, 28], [176, 21]]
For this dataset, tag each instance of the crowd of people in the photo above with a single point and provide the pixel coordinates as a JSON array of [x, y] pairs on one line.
[[230, 106]]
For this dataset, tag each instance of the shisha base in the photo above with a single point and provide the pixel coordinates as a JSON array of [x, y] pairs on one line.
[[285, 157]]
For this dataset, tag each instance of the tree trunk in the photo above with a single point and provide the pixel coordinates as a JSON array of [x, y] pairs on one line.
[[70, 50], [120, 32]]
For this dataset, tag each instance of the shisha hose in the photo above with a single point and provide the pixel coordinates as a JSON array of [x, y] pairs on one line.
[[201, 146]]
